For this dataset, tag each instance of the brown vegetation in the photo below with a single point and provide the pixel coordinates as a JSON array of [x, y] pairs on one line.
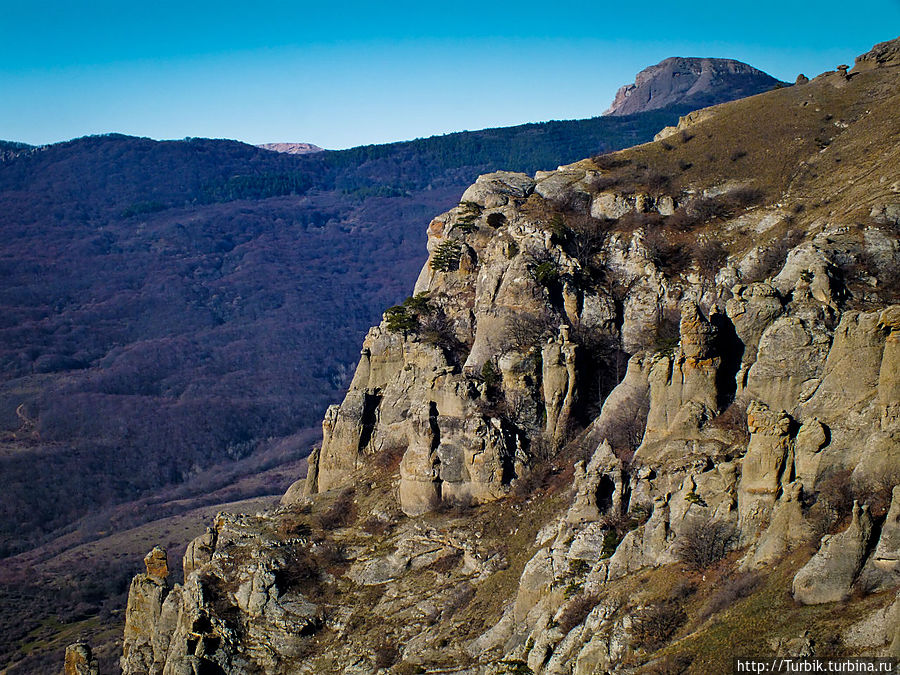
[[705, 541]]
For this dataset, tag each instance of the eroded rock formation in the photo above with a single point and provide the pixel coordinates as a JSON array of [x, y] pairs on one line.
[[561, 422]]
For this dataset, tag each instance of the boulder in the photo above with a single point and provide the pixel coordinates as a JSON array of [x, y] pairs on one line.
[[886, 214], [199, 552], [787, 528], [493, 190], [157, 563]]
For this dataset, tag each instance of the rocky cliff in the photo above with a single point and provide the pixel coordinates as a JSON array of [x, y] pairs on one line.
[[640, 414], [697, 82]]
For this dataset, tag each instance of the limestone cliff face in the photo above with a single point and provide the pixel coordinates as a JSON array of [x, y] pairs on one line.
[[566, 416]]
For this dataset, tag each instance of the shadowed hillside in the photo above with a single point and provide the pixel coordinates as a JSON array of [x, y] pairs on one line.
[[170, 305], [177, 315]]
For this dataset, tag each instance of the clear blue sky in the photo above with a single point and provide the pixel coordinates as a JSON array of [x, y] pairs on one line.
[[340, 74]]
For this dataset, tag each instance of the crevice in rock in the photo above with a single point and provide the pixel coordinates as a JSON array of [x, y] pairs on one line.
[[369, 419], [606, 488], [731, 348]]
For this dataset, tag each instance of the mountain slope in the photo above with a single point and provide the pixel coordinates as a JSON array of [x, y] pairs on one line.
[[692, 82], [177, 315], [218, 288], [497, 494]]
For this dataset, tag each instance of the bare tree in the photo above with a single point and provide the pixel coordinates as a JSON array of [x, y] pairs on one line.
[[704, 542]]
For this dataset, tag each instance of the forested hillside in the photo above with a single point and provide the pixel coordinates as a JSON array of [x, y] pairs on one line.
[[169, 305]]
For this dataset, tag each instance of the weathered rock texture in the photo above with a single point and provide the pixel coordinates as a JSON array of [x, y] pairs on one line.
[[566, 415], [79, 660], [696, 82]]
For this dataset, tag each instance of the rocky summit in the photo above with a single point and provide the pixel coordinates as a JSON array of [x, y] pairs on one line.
[[291, 148], [696, 82], [640, 414]]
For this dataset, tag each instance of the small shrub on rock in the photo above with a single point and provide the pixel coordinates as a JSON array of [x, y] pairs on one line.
[[652, 626], [734, 419], [733, 589], [341, 513], [577, 611], [710, 257], [671, 257], [704, 542], [773, 257], [446, 256]]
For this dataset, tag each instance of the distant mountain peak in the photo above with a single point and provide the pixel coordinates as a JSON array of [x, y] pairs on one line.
[[291, 148], [697, 82]]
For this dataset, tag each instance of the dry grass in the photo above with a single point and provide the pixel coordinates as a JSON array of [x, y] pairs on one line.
[[759, 609], [819, 146]]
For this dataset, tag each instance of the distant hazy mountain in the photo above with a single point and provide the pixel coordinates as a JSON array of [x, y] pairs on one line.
[[691, 82], [291, 148]]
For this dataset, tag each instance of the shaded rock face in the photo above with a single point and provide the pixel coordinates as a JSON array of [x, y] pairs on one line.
[[697, 82]]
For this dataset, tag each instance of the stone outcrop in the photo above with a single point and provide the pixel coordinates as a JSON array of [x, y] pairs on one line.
[[763, 467], [495, 449], [691, 82], [144, 648], [878, 633], [559, 379], [684, 391], [199, 552], [79, 660], [829, 575], [887, 553], [787, 528]]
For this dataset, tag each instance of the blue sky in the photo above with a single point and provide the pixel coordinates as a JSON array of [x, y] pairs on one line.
[[340, 74]]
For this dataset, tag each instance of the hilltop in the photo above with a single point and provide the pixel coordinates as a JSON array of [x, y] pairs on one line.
[[692, 82], [291, 148]]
